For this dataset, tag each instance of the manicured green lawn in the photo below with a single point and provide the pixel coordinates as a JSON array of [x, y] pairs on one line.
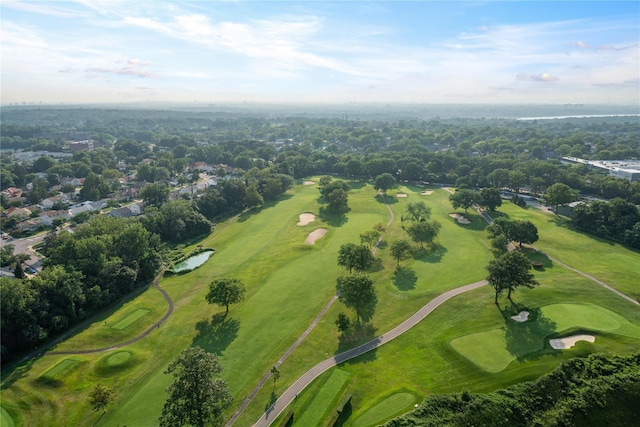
[[395, 404], [124, 323], [289, 282], [493, 350], [324, 401]]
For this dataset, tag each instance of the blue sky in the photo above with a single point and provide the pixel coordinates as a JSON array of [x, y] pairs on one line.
[[95, 51]]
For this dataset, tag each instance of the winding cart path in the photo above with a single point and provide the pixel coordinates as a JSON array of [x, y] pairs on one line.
[[288, 396]]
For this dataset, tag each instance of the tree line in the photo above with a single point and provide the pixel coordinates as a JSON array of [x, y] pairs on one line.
[[601, 389]]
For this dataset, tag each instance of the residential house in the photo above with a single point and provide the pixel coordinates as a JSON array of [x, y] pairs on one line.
[[202, 167], [13, 193], [30, 224], [76, 182], [87, 206], [48, 203], [17, 213], [49, 216], [123, 212]]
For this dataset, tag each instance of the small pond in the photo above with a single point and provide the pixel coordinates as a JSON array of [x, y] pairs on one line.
[[192, 262]]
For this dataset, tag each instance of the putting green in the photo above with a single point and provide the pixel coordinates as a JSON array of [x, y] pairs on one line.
[[390, 406], [317, 410], [487, 350], [127, 321], [581, 315], [118, 358], [493, 350]]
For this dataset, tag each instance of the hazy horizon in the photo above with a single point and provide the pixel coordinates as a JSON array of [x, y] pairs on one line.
[[308, 52]]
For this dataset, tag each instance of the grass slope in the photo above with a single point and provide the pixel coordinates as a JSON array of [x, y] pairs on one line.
[[288, 284]]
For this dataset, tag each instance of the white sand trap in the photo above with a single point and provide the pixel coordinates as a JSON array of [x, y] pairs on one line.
[[460, 218], [523, 316], [568, 342], [308, 183], [306, 218], [426, 193], [401, 195], [315, 235]]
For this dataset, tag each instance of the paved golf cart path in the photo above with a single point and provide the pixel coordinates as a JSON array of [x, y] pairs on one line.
[[295, 345], [292, 392]]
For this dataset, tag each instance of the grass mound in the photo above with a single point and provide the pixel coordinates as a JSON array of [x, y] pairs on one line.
[[54, 376], [385, 409], [116, 362]]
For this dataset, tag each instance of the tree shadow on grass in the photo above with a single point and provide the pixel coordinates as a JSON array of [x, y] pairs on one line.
[[525, 340], [359, 335], [387, 200], [216, 334], [404, 278], [478, 223], [244, 216], [16, 372], [272, 399], [376, 265], [332, 218], [539, 260], [432, 254]]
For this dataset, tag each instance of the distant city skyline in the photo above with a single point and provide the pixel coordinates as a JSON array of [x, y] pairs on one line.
[[123, 51]]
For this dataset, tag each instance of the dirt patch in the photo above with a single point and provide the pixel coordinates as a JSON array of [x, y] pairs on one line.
[[308, 183], [523, 316], [460, 218], [568, 342], [315, 235], [426, 193], [306, 218], [401, 195]]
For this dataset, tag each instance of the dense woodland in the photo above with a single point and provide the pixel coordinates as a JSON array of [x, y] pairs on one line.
[[595, 391], [106, 258]]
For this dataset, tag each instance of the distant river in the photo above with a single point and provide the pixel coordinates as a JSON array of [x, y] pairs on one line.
[[585, 116]]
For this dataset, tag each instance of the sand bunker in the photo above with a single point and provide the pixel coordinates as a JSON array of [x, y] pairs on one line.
[[306, 218], [426, 193], [308, 183], [523, 316], [460, 218], [315, 235], [568, 342], [401, 195]]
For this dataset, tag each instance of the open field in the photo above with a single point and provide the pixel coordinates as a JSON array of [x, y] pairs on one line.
[[288, 284]]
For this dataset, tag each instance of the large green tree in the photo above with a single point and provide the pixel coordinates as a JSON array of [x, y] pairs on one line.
[[509, 272], [384, 182], [424, 232], [225, 292], [100, 397], [418, 211], [355, 257], [490, 198], [400, 249], [369, 237], [197, 395], [154, 194], [356, 291], [463, 198], [559, 194]]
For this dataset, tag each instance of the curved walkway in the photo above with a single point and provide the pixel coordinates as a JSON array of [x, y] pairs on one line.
[[134, 339], [288, 396], [295, 345]]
